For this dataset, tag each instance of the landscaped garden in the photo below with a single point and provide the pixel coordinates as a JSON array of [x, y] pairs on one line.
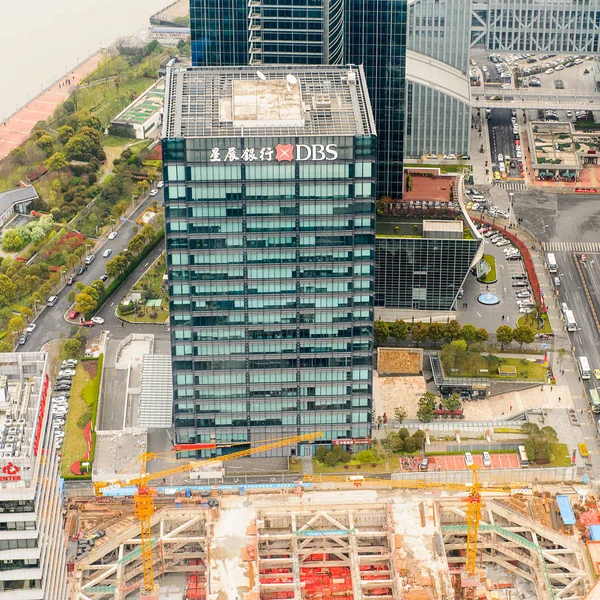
[[490, 276], [149, 297], [531, 320], [80, 437]]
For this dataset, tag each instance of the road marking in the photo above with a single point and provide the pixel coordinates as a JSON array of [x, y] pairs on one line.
[[479, 315], [112, 303]]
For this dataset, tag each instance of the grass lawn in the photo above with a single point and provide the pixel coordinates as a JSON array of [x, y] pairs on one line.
[[491, 277], [531, 321], [526, 369], [562, 458], [163, 315], [391, 464], [75, 446], [443, 168]]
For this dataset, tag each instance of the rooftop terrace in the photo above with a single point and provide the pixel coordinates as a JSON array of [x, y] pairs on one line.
[[277, 100]]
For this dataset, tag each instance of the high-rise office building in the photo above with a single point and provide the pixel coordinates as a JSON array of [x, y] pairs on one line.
[[376, 39], [32, 552], [270, 216]]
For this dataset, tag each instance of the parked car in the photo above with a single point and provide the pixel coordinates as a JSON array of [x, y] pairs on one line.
[[67, 372], [73, 314], [98, 320], [523, 294], [556, 281], [22, 340], [487, 459], [468, 459], [153, 192], [526, 310], [31, 328], [424, 464], [112, 235], [502, 243], [86, 323], [70, 279], [103, 277], [90, 259], [519, 283], [160, 184], [82, 270], [519, 276]]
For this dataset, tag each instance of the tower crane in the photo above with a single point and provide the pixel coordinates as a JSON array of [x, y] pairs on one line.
[[144, 496]]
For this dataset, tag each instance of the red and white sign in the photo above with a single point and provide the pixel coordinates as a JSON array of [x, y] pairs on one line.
[[10, 473], [351, 442], [281, 153]]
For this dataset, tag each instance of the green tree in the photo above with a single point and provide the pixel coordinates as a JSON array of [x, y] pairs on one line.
[[71, 348], [382, 332], [7, 288], [400, 413], [46, 144], [523, 335], [399, 330], [403, 433], [6, 346], [13, 240], [468, 333], [56, 162], [119, 264], [331, 459], [320, 453], [436, 332], [426, 408], [99, 286], [410, 444], [452, 402], [481, 335], [366, 456], [419, 332], [85, 303], [452, 331], [65, 133], [504, 334], [394, 442], [18, 156], [91, 291], [16, 324], [136, 244]]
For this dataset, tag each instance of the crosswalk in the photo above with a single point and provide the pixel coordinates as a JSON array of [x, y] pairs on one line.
[[511, 185], [572, 246]]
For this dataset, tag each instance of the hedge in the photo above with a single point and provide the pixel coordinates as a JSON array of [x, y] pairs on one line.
[[135, 263]]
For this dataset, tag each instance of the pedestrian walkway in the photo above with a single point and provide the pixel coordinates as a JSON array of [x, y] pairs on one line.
[[478, 159], [511, 185], [572, 246], [15, 130]]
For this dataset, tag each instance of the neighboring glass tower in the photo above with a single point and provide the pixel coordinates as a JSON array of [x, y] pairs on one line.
[[270, 217], [376, 39]]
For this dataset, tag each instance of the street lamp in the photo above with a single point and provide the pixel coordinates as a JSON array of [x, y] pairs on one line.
[[111, 222]]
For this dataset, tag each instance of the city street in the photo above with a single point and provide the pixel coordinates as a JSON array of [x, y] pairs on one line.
[[50, 323], [502, 141]]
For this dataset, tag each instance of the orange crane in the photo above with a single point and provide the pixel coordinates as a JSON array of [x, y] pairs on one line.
[[474, 501], [144, 496]]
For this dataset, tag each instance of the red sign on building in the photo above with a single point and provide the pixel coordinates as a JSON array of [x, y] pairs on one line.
[[10, 473], [351, 442]]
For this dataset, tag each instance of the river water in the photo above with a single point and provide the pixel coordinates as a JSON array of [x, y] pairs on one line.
[[41, 40]]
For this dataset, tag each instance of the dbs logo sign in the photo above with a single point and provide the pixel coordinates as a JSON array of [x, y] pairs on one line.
[[301, 152]]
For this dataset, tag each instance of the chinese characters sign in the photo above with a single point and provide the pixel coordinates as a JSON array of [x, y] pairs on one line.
[[10, 473], [281, 153]]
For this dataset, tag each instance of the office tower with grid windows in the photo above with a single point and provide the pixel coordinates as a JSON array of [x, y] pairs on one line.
[[270, 181]]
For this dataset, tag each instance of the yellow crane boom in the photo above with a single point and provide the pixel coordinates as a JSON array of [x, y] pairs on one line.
[[144, 498]]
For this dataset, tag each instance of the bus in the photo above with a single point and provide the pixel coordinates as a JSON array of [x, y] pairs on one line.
[[595, 400], [551, 262], [522, 456], [584, 367], [570, 322]]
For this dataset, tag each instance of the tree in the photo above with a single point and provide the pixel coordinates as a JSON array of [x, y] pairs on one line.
[[99, 286], [399, 330], [65, 133], [540, 442], [523, 334], [119, 264], [403, 433], [136, 244], [46, 144], [468, 333], [321, 453], [504, 335], [410, 444], [426, 408], [56, 162], [84, 303], [394, 442], [6, 346], [91, 291], [18, 156], [382, 332], [16, 324], [13, 240], [481, 335], [400, 413], [453, 402], [436, 332], [419, 332], [452, 331], [7, 288]]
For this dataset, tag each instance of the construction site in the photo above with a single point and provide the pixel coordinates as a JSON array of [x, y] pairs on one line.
[[329, 540]]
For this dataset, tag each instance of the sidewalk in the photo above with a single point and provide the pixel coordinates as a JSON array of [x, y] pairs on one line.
[[477, 158], [17, 128]]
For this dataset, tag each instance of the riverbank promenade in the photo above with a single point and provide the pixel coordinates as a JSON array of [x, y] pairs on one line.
[[16, 129]]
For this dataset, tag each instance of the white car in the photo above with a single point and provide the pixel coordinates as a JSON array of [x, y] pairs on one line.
[[31, 328], [112, 235], [160, 184], [502, 243], [98, 320], [500, 158], [523, 294], [549, 71], [153, 192], [475, 206], [107, 253], [449, 156], [526, 311]]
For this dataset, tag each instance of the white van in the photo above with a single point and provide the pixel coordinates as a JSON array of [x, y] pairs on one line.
[[468, 459], [51, 301], [477, 198]]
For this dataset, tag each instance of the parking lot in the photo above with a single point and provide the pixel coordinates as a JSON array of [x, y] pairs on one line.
[[457, 462]]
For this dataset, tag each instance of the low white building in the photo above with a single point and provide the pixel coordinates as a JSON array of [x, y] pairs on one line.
[[17, 201], [32, 552]]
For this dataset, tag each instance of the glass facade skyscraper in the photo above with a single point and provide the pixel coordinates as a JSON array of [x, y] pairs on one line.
[[270, 216]]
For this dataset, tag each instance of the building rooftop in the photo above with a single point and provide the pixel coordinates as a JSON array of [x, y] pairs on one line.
[[416, 226], [21, 194], [554, 146], [156, 392], [142, 108], [22, 381], [211, 102], [116, 453]]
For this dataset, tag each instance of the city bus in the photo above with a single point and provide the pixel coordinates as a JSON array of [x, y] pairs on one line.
[[584, 367], [522, 456], [570, 323], [595, 400], [551, 262]]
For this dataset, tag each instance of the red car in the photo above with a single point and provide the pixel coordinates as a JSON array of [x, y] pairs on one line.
[[73, 314], [583, 258], [86, 323]]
